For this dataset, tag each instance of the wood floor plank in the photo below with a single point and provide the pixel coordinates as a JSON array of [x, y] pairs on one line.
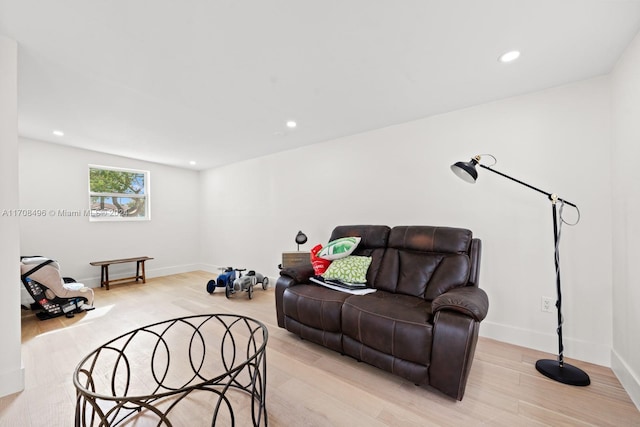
[[307, 385]]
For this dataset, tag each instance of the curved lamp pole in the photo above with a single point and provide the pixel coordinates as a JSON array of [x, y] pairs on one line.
[[555, 369]]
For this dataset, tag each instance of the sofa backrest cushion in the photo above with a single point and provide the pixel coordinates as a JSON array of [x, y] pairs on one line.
[[374, 241], [425, 261]]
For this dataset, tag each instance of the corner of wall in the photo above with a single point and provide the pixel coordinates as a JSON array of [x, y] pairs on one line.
[[11, 382], [627, 377], [11, 370]]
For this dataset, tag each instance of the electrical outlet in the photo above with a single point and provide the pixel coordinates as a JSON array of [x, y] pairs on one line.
[[546, 304]]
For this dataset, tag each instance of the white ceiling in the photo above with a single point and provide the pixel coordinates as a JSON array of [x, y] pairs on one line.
[[214, 81]]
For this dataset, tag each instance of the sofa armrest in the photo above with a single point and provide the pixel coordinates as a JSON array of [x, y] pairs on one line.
[[468, 300], [299, 273], [454, 344], [457, 317], [289, 277]]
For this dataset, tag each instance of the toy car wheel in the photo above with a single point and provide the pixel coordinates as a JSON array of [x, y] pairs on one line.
[[250, 290], [227, 292], [265, 283], [211, 286]]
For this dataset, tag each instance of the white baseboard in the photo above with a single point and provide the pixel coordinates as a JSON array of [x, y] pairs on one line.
[[167, 271], [215, 269], [11, 382], [94, 282], [597, 353], [629, 380]]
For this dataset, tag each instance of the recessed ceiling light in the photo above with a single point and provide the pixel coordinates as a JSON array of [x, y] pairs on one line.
[[192, 162], [509, 56], [291, 124], [58, 133]]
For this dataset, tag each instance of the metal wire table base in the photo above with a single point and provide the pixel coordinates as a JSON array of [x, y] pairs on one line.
[[172, 372]]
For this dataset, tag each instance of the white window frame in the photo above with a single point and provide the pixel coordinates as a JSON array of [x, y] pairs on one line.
[[115, 216]]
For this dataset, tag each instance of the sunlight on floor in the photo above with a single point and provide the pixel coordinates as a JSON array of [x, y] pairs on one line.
[[88, 317], [96, 312]]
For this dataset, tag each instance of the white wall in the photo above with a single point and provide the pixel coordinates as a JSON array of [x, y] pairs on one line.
[[55, 177], [11, 371], [558, 140], [626, 220]]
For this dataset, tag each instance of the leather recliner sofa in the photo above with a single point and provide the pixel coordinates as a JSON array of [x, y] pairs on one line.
[[421, 323]]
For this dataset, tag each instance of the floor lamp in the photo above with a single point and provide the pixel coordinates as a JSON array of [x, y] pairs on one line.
[[555, 369]]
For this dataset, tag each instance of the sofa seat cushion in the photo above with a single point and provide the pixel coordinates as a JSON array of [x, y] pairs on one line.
[[395, 324], [314, 306]]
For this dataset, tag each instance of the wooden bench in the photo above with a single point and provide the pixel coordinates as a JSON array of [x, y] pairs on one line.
[[104, 272]]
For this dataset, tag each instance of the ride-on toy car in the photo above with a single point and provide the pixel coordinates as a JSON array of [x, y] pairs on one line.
[[263, 280], [224, 279], [246, 284], [233, 282]]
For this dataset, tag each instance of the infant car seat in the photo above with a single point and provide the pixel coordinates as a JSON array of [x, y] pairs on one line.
[[53, 294]]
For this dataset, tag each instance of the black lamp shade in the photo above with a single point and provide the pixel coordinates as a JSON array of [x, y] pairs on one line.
[[301, 238], [466, 171]]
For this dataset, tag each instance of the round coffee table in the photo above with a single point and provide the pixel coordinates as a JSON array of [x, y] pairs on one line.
[[177, 372]]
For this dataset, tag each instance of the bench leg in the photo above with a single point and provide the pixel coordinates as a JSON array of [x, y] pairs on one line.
[[105, 269], [144, 277]]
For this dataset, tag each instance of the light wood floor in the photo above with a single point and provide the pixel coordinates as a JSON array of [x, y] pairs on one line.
[[308, 385]]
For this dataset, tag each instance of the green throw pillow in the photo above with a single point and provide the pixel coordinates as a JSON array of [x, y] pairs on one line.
[[351, 269], [339, 248]]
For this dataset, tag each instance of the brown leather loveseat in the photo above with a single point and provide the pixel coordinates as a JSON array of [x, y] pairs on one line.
[[421, 323]]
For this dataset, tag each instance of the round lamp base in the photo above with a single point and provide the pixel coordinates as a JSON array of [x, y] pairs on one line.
[[566, 374]]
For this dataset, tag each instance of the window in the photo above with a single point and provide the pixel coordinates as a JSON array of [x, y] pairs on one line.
[[117, 194]]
